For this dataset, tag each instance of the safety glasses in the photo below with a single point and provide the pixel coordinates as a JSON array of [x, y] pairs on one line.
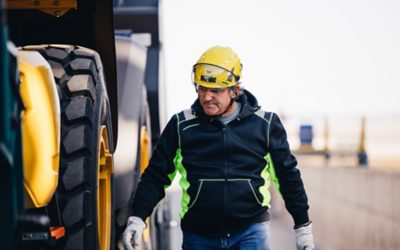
[[203, 90]]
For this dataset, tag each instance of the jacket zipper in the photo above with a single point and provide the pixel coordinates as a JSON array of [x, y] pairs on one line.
[[226, 177]]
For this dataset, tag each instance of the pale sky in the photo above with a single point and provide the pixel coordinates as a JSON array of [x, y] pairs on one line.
[[310, 57]]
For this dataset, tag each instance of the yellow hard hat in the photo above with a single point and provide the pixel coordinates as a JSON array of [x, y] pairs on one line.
[[218, 67]]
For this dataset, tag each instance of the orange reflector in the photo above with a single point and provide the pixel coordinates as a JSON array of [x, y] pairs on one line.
[[57, 232]]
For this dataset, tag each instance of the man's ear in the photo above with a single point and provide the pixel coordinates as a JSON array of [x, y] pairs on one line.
[[235, 91], [232, 93]]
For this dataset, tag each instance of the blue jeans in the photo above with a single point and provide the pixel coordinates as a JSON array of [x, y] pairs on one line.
[[255, 237]]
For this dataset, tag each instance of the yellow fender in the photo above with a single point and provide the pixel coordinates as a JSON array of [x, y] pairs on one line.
[[40, 123]]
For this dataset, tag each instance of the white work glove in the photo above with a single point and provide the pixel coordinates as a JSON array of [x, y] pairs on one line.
[[132, 236], [304, 238]]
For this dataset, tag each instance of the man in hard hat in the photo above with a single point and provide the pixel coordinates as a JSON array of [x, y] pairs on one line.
[[227, 150]]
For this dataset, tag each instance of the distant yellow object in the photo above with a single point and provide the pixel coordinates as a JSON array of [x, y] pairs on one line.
[[40, 128]]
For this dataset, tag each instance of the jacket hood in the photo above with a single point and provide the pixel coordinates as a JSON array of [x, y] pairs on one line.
[[247, 99]]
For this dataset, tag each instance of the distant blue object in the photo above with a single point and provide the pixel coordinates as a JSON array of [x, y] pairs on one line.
[[306, 134], [362, 159], [123, 33]]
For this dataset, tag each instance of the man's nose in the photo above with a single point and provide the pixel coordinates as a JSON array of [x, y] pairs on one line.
[[208, 96]]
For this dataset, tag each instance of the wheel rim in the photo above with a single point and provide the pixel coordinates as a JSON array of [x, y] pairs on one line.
[[144, 148], [144, 161], [104, 203]]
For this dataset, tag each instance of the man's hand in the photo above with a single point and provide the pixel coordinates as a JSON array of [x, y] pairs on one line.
[[132, 236], [304, 238]]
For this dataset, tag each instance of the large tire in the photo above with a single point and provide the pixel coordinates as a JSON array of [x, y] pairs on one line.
[[85, 182]]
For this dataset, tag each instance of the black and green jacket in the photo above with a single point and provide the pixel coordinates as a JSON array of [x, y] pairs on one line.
[[225, 170]]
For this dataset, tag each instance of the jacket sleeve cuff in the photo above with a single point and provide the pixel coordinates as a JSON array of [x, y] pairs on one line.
[[301, 218], [140, 213]]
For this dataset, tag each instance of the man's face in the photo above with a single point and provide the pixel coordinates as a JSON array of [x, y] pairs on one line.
[[214, 101]]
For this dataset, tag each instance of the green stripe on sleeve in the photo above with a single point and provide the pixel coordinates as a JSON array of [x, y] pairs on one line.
[[268, 174], [271, 170], [183, 182]]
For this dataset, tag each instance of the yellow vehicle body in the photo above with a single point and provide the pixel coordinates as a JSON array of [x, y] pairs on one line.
[[40, 123]]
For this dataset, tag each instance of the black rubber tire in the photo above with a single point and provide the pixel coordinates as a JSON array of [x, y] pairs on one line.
[[84, 109]]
